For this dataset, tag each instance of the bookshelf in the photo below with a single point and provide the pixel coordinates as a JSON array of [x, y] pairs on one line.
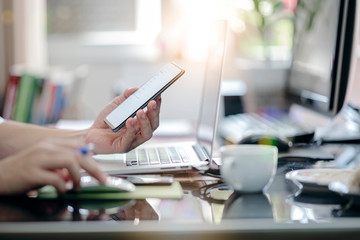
[[39, 96]]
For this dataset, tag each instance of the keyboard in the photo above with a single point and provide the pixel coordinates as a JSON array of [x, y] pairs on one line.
[[156, 156], [236, 127]]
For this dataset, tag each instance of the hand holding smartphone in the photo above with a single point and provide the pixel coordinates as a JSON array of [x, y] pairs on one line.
[[147, 92]]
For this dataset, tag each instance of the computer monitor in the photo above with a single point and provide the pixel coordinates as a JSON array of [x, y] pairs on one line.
[[323, 54]]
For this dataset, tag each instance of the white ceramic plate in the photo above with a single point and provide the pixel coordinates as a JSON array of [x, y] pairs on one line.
[[318, 180]]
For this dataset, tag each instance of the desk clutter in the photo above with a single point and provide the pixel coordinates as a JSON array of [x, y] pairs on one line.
[[340, 184], [318, 180]]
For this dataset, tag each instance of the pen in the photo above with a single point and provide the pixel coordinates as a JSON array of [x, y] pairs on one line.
[[84, 150]]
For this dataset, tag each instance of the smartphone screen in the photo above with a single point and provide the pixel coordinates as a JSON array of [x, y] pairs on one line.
[[147, 92]]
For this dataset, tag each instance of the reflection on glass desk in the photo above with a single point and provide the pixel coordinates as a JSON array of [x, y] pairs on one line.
[[208, 210]]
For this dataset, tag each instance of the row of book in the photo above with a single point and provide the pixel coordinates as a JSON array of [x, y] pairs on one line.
[[37, 97]]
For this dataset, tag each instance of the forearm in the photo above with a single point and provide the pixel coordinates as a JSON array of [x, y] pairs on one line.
[[16, 136]]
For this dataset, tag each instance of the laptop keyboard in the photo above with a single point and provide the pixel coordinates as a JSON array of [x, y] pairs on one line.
[[156, 156], [236, 127]]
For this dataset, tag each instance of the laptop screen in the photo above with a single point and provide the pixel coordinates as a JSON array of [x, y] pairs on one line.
[[211, 87]]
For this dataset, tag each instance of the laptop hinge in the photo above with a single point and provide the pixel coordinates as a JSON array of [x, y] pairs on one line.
[[200, 151]]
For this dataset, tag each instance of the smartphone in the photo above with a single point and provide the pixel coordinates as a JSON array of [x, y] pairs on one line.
[[113, 184], [141, 97]]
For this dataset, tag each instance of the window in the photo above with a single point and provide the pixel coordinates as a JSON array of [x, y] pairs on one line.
[[105, 22], [102, 31]]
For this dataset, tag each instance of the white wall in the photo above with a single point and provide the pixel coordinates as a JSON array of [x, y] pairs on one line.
[[30, 32], [3, 71]]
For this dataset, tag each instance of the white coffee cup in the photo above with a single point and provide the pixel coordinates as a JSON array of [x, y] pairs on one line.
[[248, 168]]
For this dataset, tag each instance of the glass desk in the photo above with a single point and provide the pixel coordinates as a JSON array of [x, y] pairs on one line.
[[208, 210]]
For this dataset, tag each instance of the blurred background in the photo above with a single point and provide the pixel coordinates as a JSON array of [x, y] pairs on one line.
[[98, 48]]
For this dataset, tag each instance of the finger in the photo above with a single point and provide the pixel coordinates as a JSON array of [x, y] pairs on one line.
[[114, 104], [153, 114], [63, 173], [118, 100], [51, 178], [158, 101], [91, 167], [129, 91], [74, 169], [145, 126], [64, 157], [145, 132], [128, 137]]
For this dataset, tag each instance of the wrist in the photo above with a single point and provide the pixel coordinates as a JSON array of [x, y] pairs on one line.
[[81, 135]]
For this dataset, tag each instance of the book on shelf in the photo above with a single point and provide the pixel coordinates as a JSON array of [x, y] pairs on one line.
[[24, 99], [35, 98], [10, 97]]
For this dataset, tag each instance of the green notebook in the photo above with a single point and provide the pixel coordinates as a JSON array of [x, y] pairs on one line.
[[173, 191]]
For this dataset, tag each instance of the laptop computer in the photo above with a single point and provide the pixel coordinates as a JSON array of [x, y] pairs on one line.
[[181, 156]]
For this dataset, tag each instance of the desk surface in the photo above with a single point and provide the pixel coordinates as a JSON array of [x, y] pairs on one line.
[[208, 210]]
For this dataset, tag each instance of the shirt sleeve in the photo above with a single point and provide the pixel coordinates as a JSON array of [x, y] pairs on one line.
[[2, 120]]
